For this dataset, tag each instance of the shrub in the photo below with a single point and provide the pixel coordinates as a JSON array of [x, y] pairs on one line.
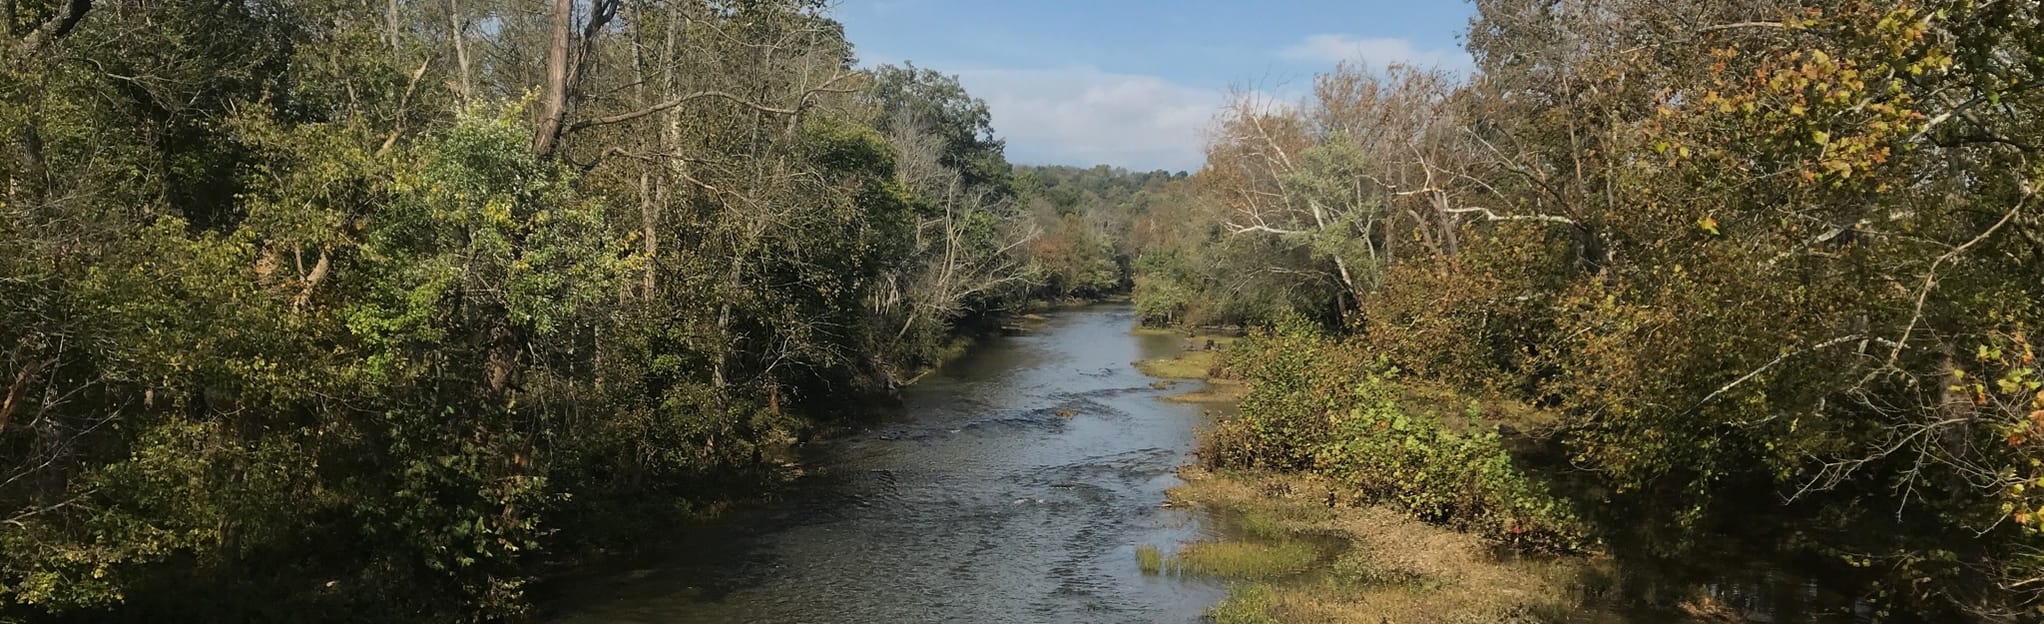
[[1283, 420], [1318, 404], [1409, 459]]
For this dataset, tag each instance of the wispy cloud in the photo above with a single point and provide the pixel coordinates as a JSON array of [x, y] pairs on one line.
[[1084, 116], [1375, 52]]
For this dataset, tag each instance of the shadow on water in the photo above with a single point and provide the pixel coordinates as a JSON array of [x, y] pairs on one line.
[[1768, 587], [1012, 485]]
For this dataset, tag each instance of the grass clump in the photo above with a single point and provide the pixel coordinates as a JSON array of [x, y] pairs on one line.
[[1262, 526], [1187, 365], [1149, 559], [1366, 567], [1214, 391], [1200, 359], [1388, 566], [1245, 560], [1245, 604]]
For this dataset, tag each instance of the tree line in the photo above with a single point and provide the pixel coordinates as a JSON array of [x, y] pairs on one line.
[[1749, 263], [351, 310], [1088, 219]]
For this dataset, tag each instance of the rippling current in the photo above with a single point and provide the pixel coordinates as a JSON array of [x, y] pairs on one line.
[[1012, 485]]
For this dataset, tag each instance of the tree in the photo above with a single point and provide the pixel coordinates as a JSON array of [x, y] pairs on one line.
[[1730, 247], [961, 123], [327, 309]]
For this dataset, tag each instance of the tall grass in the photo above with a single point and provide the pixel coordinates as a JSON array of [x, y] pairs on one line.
[[1149, 559], [1244, 560]]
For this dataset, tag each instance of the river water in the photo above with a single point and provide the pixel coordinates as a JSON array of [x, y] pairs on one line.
[[1012, 485]]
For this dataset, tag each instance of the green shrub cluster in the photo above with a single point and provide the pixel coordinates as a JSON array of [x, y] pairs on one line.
[[1319, 404], [1409, 458]]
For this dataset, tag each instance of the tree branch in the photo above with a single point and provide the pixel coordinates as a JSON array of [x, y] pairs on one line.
[[16, 392], [1930, 277], [53, 29], [1976, 101], [1739, 25], [724, 95], [624, 117], [403, 105], [1492, 216], [1769, 365]]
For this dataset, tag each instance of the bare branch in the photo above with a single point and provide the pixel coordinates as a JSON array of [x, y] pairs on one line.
[[1242, 229], [1740, 25], [624, 117], [403, 106], [1770, 365], [1930, 277], [1492, 216]]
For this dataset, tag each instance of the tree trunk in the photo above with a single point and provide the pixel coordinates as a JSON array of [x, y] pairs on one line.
[[458, 30], [1348, 281], [554, 94], [649, 207], [52, 29], [1451, 241], [17, 393], [649, 223], [397, 50]]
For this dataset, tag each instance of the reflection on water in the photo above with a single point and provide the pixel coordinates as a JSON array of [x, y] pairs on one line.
[[1786, 600], [1011, 486], [1765, 594]]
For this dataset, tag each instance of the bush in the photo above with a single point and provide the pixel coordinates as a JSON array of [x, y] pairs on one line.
[[1283, 421], [1409, 459], [1318, 404]]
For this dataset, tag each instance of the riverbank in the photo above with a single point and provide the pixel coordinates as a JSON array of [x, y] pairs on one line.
[[1373, 564], [1302, 547], [1198, 361]]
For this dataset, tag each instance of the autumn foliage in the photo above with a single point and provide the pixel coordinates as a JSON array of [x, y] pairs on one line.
[[1730, 248]]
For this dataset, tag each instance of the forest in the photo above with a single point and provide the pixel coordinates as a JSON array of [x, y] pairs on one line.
[[387, 311], [382, 310], [1650, 279]]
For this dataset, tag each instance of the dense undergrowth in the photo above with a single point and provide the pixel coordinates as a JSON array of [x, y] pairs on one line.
[[1319, 404]]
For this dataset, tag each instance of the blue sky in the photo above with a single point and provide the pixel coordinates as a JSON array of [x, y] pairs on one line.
[[1132, 83]]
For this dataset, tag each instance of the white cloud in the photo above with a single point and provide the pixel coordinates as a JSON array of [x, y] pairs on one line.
[[1084, 116], [1375, 52]]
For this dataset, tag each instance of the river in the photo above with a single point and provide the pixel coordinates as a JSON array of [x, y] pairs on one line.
[[1012, 485]]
